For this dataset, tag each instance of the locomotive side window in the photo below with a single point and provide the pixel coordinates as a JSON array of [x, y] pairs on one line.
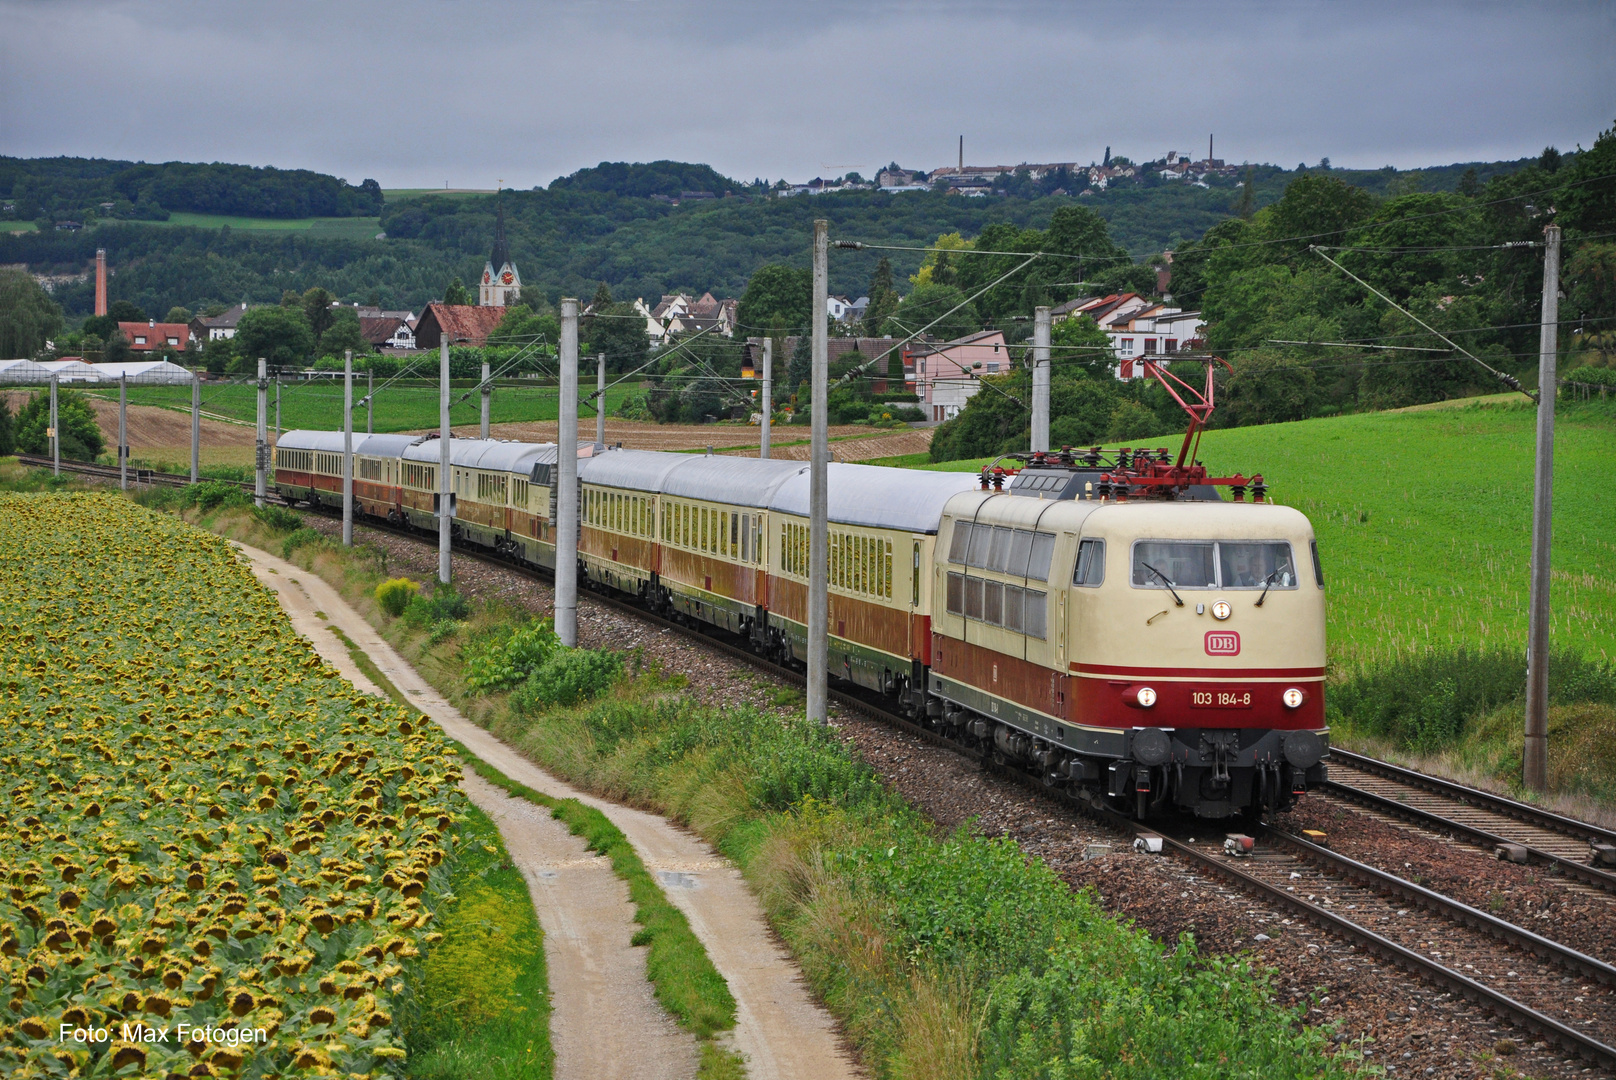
[[1318, 567], [1043, 549], [1023, 611], [1090, 570], [961, 542]]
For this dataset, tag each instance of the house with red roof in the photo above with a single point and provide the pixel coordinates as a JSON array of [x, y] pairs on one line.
[[463, 324], [154, 336]]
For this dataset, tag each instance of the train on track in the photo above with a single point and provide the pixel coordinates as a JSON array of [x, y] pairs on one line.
[[1108, 622]]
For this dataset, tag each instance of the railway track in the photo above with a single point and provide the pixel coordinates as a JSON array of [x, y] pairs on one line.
[[1527, 980], [111, 472], [1518, 830]]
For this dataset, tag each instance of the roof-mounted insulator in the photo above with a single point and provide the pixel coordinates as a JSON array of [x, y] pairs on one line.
[[1258, 488], [986, 483], [1091, 456], [998, 478]]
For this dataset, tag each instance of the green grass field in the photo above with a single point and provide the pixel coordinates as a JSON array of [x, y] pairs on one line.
[[18, 227], [1423, 519], [318, 405], [451, 193], [353, 228]]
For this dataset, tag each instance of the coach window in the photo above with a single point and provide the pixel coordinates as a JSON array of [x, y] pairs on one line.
[[1090, 570]]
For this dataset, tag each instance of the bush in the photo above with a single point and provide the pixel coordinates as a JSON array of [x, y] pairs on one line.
[[499, 661], [395, 594], [277, 518], [568, 677], [300, 538], [212, 494], [1600, 376], [428, 609]]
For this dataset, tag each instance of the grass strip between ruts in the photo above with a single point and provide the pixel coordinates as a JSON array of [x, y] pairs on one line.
[[683, 976]]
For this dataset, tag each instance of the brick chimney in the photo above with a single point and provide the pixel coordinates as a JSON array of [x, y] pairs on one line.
[[100, 281]]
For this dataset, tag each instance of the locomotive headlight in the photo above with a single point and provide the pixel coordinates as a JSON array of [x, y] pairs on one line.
[[1293, 698], [1222, 610], [1146, 696]]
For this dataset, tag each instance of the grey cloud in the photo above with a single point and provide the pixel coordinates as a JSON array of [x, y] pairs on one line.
[[418, 93]]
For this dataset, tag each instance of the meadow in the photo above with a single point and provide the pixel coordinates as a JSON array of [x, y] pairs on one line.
[[1424, 523], [402, 407], [350, 228]]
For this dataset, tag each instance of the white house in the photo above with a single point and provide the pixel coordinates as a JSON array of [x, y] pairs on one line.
[[1154, 332]]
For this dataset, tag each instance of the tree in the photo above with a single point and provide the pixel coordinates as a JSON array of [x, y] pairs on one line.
[[933, 302], [28, 315], [777, 293], [603, 297], [939, 265], [456, 294], [116, 350], [1079, 345], [1267, 386], [619, 332], [882, 296], [218, 354], [178, 314], [317, 310], [343, 334], [8, 430], [280, 335], [80, 436], [1587, 204]]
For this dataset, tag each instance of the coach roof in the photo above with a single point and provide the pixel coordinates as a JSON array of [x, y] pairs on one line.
[[637, 470], [736, 481], [878, 497], [327, 441], [383, 445]]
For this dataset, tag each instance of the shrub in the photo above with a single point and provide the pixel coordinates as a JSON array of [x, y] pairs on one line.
[[504, 660], [395, 594], [568, 677], [277, 518], [212, 494], [443, 602], [300, 538], [1601, 376]]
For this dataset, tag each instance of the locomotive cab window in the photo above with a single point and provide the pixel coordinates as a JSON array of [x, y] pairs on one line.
[[1318, 567], [1208, 564]]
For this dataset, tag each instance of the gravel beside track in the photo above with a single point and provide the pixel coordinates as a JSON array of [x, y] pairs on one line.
[[1410, 1027]]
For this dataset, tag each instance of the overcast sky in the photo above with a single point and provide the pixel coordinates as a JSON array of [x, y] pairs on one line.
[[419, 93]]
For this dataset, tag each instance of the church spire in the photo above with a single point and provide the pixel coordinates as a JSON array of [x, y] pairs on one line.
[[502, 254]]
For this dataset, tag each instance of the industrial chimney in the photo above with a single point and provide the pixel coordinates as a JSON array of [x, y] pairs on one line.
[[100, 281]]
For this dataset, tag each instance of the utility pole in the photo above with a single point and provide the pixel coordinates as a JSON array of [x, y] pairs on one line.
[[600, 399], [1535, 756], [566, 536], [347, 446], [370, 401], [1040, 378], [445, 497], [196, 424], [819, 488], [123, 430], [768, 394], [55, 433], [277, 405], [487, 390], [261, 447]]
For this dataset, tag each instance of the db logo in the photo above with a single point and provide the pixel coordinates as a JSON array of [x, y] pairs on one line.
[[1222, 643]]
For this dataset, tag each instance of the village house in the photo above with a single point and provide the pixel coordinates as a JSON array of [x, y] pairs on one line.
[[153, 336], [218, 327], [462, 324], [944, 374]]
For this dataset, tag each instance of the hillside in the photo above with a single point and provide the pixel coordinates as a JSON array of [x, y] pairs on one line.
[[1423, 518], [599, 224]]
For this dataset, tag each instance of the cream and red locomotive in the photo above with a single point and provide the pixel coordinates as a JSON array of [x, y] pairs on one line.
[[1115, 626]]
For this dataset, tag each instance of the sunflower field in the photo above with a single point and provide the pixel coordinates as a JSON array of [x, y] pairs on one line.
[[216, 857]]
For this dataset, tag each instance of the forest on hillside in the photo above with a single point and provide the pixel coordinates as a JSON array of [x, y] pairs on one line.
[[603, 225], [47, 190]]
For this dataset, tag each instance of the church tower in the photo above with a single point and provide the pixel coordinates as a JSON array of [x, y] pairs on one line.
[[501, 284]]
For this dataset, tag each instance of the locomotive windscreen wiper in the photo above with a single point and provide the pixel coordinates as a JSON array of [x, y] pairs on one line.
[[1268, 583], [1164, 581]]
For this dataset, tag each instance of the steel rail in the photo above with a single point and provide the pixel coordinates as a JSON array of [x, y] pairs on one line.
[[1420, 966], [1588, 875], [1509, 933], [1485, 800]]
